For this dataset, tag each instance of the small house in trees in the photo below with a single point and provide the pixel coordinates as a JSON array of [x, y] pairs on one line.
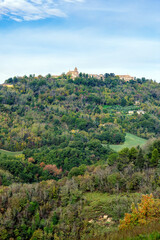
[[130, 112], [97, 76], [126, 78], [140, 112]]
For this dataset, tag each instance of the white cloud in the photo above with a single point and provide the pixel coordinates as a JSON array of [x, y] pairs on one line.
[[73, 1], [27, 10]]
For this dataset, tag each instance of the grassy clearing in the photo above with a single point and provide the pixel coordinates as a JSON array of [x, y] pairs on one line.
[[8, 153], [130, 141], [103, 212], [114, 205]]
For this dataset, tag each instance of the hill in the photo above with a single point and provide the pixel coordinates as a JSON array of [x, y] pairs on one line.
[[71, 158]]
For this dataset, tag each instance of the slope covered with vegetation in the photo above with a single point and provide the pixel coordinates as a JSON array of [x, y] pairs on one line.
[[59, 178]]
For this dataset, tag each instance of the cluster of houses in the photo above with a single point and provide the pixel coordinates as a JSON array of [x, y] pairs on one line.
[[73, 74], [126, 78]]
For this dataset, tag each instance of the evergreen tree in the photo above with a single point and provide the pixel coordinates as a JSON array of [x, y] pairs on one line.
[[139, 163], [154, 158]]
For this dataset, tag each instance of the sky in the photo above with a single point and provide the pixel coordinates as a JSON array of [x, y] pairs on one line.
[[96, 36]]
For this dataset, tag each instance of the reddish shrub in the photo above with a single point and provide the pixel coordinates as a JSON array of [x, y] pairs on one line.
[[31, 160], [42, 164], [52, 169]]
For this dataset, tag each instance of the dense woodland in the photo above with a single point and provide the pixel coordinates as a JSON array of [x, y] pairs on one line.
[[61, 130]]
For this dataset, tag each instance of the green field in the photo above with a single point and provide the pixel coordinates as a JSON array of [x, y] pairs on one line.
[[130, 141], [8, 153]]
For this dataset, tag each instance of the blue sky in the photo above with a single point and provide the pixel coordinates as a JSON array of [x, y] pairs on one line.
[[97, 36]]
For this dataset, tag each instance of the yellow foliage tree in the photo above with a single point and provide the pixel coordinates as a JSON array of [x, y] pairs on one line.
[[148, 210]]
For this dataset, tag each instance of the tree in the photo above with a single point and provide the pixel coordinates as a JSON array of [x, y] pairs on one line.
[[52, 169], [139, 162], [106, 75], [123, 102], [133, 154], [112, 159], [148, 211], [154, 158], [76, 171], [37, 235]]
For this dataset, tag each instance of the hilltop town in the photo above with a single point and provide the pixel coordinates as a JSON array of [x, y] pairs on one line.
[[75, 73]]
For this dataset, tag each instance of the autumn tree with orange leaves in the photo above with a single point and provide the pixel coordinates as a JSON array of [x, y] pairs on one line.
[[148, 210], [52, 169]]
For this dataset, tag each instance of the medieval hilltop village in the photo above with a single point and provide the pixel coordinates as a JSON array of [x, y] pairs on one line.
[[75, 73]]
